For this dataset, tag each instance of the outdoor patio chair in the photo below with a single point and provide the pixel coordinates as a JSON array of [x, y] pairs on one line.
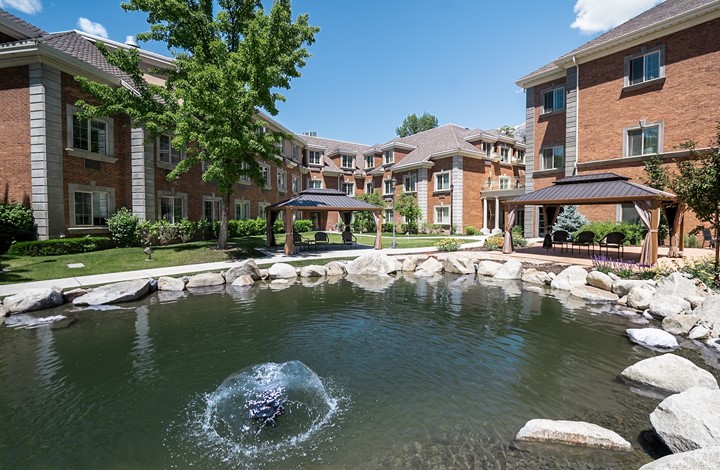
[[348, 238], [613, 240], [707, 238], [301, 241], [586, 238], [562, 238], [321, 238]]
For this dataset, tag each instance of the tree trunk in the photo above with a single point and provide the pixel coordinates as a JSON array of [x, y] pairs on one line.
[[224, 218]]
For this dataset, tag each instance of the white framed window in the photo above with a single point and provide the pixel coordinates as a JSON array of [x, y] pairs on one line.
[[369, 188], [504, 182], [645, 66], [296, 184], [281, 147], [369, 161], [282, 180], [348, 188], [211, 208], [442, 181], [645, 140], [554, 100], [265, 172], [389, 215], [347, 161], [388, 187], [172, 208], [262, 209], [487, 148], [388, 157], [92, 208], [242, 209], [244, 179], [314, 157], [442, 215], [505, 154], [520, 156], [93, 135], [166, 152], [296, 152], [553, 158], [314, 184], [410, 183]]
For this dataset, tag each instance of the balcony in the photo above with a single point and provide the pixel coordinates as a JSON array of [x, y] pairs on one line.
[[503, 187]]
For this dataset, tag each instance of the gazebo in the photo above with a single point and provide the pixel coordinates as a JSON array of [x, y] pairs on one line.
[[606, 188], [322, 200]]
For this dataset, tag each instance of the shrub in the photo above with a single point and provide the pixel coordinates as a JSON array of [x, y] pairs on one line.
[[634, 233], [123, 226], [303, 225], [470, 230], [278, 226], [448, 244], [187, 229], [387, 227], [703, 269], [411, 228], [60, 246], [145, 232], [494, 243], [691, 241], [16, 224], [165, 231]]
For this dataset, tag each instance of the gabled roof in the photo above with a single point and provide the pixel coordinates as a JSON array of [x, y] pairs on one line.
[[21, 28], [663, 12], [325, 200], [333, 147], [597, 188]]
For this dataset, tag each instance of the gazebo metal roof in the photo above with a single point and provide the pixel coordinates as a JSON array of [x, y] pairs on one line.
[[324, 200], [597, 188]]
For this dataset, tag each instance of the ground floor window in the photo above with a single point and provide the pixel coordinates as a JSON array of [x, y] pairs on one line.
[[211, 209], [262, 206], [442, 215], [627, 213], [242, 210], [171, 208], [91, 208]]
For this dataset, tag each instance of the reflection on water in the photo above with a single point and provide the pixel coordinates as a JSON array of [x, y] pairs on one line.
[[427, 372]]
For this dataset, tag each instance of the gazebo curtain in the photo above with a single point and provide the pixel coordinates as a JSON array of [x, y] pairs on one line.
[[675, 215], [509, 223], [551, 213], [346, 217], [644, 210], [289, 223], [273, 215]]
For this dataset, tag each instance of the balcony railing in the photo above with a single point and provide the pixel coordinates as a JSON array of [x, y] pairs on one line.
[[504, 184]]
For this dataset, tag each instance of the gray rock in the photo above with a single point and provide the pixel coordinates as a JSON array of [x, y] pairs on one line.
[[29, 300], [677, 285], [594, 294], [247, 267], [429, 267], [312, 270], [662, 306], [699, 459], [264, 273], [709, 311], [282, 271], [411, 263], [679, 324], [639, 297], [599, 280], [569, 278], [689, 420], [371, 264], [623, 286], [533, 276], [652, 338], [205, 280], [699, 332], [576, 433], [459, 265], [512, 269], [334, 268], [73, 294], [245, 280], [668, 373], [695, 300], [125, 291], [171, 284], [488, 268]]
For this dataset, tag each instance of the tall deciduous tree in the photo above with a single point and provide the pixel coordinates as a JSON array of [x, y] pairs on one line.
[[414, 124], [698, 185], [230, 63]]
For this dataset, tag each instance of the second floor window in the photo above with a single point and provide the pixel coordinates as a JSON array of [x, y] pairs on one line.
[[369, 188], [295, 184], [554, 100], [282, 180], [265, 172], [504, 182], [90, 135], [166, 152], [314, 157], [643, 68], [520, 156], [644, 141], [410, 182], [442, 181], [349, 189], [553, 158], [314, 184], [347, 161], [387, 187]]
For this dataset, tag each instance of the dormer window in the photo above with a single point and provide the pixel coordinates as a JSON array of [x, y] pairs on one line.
[[487, 147], [388, 157], [369, 161], [347, 161], [505, 154], [314, 157]]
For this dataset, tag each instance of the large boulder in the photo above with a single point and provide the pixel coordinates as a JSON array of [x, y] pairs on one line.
[[429, 267], [576, 433], [29, 300], [662, 305], [594, 294], [371, 264], [678, 285], [282, 271], [247, 267], [411, 263], [488, 268], [680, 324], [533, 276], [699, 459], [512, 269], [459, 265], [669, 374], [709, 311], [569, 278], [335, 268], [689, 420], [652, 338], [312, 270], [205, 280], [245, 280], [124, 291], [622, 287], [639, 297], [171, 283], [599, 280]]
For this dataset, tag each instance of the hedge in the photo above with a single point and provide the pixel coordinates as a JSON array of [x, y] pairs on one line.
[[60, 246]]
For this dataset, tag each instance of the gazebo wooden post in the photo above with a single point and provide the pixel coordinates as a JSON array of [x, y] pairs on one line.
[[377, 215], [289, 244], [654, 222]]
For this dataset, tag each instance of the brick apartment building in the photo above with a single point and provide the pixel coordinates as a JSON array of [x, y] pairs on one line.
[[638, 90], [75, 173]]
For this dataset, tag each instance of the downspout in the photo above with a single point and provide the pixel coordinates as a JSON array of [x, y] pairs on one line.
[[577, 114]]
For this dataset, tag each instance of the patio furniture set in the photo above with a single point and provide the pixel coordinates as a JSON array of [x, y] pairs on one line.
[[322, 239], [614, 240]]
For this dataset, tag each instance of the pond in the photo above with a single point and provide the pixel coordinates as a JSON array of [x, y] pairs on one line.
[[419, 373]]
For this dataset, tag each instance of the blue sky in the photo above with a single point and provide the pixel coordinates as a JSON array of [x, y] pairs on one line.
[[376, 61]]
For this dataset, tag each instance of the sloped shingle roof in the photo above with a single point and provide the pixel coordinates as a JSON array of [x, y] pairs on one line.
[[14, 19], [338, 146], [440, 139]]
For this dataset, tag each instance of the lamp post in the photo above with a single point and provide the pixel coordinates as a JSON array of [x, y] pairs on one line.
[[452, 226], [393, 181]]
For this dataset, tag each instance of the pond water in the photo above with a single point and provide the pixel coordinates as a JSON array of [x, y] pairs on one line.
[[416, 374]]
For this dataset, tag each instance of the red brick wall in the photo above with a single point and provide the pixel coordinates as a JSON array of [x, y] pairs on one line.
[[435, 198], [15, 135], [550, 127]]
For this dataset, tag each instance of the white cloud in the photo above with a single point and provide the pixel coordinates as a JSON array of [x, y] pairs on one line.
[[594, 16], [93, 28], [26, 6]]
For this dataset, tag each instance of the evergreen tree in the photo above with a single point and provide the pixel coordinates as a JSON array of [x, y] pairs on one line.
[[570, 220]]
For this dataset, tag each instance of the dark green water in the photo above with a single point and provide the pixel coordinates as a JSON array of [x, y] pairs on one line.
[[423, 375]]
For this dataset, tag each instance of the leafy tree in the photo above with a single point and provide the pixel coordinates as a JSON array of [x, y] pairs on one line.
[[413, 124], [229, 65], [698, 185], [507, 130], [570, 220], [364, 221], [408, 208]]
